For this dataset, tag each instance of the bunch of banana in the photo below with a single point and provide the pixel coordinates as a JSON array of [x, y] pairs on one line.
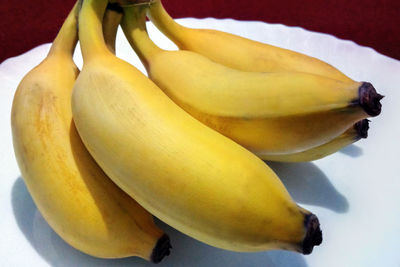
[[186, 143], [273, 114], [70, 190], [188, 175]]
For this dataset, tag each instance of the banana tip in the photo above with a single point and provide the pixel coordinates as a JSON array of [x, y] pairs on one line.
[[313, 235], [362, 128], [161, 249], [369, 99]]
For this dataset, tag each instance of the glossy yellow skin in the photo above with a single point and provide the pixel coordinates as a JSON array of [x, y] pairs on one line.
[[70, 190], [268, 113], [238, 52], [319, 152], [200, 182]]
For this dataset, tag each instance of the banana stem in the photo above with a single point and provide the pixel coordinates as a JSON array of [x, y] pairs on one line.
[[160, 17], [111, 21], [67, 38], [134, 26], [90, 29]]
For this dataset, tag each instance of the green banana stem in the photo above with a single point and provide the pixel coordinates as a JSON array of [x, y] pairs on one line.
[[90, 29], [67, 38], [134, 26]]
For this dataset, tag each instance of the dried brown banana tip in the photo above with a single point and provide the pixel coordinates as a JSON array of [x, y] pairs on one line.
[[362, 128], [313, 234], [369, 99], [161, 249]]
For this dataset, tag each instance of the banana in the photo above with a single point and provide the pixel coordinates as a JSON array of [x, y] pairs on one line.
[[70, 190], [186, 174], [356, 132], [268, 113], [238, 52]]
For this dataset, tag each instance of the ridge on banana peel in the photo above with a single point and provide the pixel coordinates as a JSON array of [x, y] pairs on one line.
[[80, 203], [201, 183], [267, 113], [353, 134], [238, 52]]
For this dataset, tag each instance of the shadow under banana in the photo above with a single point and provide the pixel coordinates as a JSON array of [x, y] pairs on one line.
[[187, 251], [307, 184]]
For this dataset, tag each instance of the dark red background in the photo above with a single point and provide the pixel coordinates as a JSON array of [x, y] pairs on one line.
[[375, 23]]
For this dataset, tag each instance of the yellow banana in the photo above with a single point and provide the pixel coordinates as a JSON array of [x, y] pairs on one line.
[[238, 52], [199, 182], [356, 132], [268, 113], [70, 190]]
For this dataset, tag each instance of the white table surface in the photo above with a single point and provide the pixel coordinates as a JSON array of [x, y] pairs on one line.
[[355, 192]]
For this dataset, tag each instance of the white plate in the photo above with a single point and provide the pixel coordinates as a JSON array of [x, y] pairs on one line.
[[355, 192]]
